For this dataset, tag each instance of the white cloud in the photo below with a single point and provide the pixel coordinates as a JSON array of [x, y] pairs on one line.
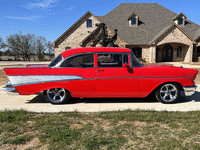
[[29, 18], [45, 4], [70, 8]]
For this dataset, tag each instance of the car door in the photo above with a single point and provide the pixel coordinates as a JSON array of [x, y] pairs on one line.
[[81, 67], [112, 80]]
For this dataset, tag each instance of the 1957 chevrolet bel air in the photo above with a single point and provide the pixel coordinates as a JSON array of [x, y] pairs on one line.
[[100, 72]]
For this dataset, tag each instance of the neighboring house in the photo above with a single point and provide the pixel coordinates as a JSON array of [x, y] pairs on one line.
[[152, 32]]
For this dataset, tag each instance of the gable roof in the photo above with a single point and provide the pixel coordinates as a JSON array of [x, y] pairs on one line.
[[154, 18], [166, 29], [74, 25], [179, 15], [132, 15]]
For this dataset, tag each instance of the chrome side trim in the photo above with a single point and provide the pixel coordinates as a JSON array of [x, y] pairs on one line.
[[189, 90], [34, 79]]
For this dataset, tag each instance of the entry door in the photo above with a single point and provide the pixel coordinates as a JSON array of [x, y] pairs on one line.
[[167, 53], [112, 80]]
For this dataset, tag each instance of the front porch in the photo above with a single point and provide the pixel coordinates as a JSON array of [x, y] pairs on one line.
[[168, 52], [174, 52]]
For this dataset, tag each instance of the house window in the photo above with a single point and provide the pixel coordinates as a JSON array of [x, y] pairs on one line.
[[133, 21], [180, 21], [89, 23], [179, 51], [66, 48], [137, 51]]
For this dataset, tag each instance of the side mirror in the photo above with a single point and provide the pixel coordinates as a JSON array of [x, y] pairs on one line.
[[126, 66]]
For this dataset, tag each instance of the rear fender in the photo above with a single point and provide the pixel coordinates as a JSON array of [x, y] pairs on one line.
[[36, 88]]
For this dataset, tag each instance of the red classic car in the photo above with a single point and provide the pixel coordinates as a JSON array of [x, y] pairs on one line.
[[100, 72]]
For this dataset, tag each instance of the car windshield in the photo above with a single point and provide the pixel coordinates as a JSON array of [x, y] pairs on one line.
[[56, 61], [136, 62]]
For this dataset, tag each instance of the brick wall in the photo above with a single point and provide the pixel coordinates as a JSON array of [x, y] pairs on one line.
[[76, 35], [174, 36]]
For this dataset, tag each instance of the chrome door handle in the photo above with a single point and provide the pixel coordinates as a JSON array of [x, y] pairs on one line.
[[100, 70]]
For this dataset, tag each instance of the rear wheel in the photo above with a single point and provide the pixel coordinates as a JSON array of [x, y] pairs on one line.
[[57, 95], [168, 93]]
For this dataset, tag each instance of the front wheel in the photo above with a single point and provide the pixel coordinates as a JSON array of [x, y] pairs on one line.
[[57, 95], [168, 93]]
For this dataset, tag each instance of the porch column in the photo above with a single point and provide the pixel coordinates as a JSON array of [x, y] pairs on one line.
[[189, 54], [152, 54], [195, 58]]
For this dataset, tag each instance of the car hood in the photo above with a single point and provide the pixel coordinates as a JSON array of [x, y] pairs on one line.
[[167, 71], [161, 66]]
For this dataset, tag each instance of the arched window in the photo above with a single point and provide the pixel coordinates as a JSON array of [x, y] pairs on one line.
[[137, 51]]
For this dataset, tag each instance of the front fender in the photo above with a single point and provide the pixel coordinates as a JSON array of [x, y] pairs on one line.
[[148, 85]]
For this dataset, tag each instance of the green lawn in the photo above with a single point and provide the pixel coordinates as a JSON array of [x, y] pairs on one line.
[[107, 130]]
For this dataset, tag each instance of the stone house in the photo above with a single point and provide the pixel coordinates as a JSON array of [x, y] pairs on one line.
[[152, 32]]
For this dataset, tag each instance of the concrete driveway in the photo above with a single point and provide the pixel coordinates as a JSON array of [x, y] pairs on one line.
[[36, 103]]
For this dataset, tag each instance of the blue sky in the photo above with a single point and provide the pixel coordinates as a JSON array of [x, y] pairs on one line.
[[51, 18]]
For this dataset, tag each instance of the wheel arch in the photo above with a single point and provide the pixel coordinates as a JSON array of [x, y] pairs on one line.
[[168, 82]]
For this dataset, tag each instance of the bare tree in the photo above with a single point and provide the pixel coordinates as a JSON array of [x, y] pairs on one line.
[[28, 45], [21, 45], [40, 47], [2, 44], [50, 49], [13, 43]]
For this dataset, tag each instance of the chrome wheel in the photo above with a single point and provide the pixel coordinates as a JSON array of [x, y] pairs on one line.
[[168, 93], [56, 95]]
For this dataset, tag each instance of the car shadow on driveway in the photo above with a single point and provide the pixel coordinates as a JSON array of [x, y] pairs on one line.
[[185, 99], [149, 99], [38, 99]]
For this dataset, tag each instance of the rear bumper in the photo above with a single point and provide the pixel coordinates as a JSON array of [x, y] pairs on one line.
[[9, 89], [189, 90]]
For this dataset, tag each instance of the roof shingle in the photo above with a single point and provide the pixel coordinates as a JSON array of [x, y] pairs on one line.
[[154, 18]]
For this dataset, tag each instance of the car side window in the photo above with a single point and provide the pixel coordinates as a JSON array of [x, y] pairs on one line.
[[135, 61], [109, 60], [80, 61], [125, 58]]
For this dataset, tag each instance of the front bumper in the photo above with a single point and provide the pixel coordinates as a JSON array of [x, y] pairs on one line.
[[189, 90], [9, 89]]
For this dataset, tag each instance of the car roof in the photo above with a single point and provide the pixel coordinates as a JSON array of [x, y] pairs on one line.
[[93, 50]]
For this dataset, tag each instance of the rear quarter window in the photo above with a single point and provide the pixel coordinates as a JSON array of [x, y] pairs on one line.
[[80, 61]]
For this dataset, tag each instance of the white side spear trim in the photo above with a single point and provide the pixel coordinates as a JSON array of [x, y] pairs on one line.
[[24, 80]]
